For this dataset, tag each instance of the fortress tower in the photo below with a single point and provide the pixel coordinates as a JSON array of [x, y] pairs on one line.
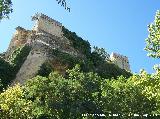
[[47, 24], [120, 60]]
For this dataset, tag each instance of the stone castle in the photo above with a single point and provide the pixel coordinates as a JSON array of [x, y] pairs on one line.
[[45, 36]]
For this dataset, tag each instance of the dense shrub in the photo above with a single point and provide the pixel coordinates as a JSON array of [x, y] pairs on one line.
[[45, 69], [6, 73], [13, 105], [95, 63], [77, 42], [66, 58], [105, 68], [9, 69]]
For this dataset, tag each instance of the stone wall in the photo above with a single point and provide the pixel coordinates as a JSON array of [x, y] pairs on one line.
[[120, 60], [53, 42]]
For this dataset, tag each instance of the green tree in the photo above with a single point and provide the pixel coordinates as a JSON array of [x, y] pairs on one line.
[[5, 8], [127, 97], [101, 52], [13, 105], [58, 97], [153, 40]]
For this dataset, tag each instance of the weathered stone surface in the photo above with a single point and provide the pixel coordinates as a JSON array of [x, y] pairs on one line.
[[120, 60], [19, 38], [30, 67]]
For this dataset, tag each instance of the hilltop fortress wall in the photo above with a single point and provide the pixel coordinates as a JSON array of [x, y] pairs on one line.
[[45, 37]]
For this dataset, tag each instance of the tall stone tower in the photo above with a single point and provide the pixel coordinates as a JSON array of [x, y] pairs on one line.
[[120, 60], [47, 24]]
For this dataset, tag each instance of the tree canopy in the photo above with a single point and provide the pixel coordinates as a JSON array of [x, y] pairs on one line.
[[5, 8], [153, 40], [82, 93]]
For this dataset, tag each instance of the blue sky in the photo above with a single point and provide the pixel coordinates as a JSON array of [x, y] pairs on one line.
[[116, 25]]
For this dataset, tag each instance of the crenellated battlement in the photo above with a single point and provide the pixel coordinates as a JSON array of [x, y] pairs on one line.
[[43, 16]]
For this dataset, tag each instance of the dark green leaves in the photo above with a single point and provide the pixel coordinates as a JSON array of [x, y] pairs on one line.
[[5, 8], [153, 40], [81, 93]]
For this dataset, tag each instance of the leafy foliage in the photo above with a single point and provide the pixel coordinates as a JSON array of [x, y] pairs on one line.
[[81, 93], [45, 69], [102, 65], [13, 105], [95, 63], [124, 97], [8, 70], [5, 8], [101, 52], [18, 56], [110, 70], [153, 40], [66, 58], [6, 73], [77, 42]]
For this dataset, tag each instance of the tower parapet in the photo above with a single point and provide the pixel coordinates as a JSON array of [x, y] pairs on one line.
[[47, 24]]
